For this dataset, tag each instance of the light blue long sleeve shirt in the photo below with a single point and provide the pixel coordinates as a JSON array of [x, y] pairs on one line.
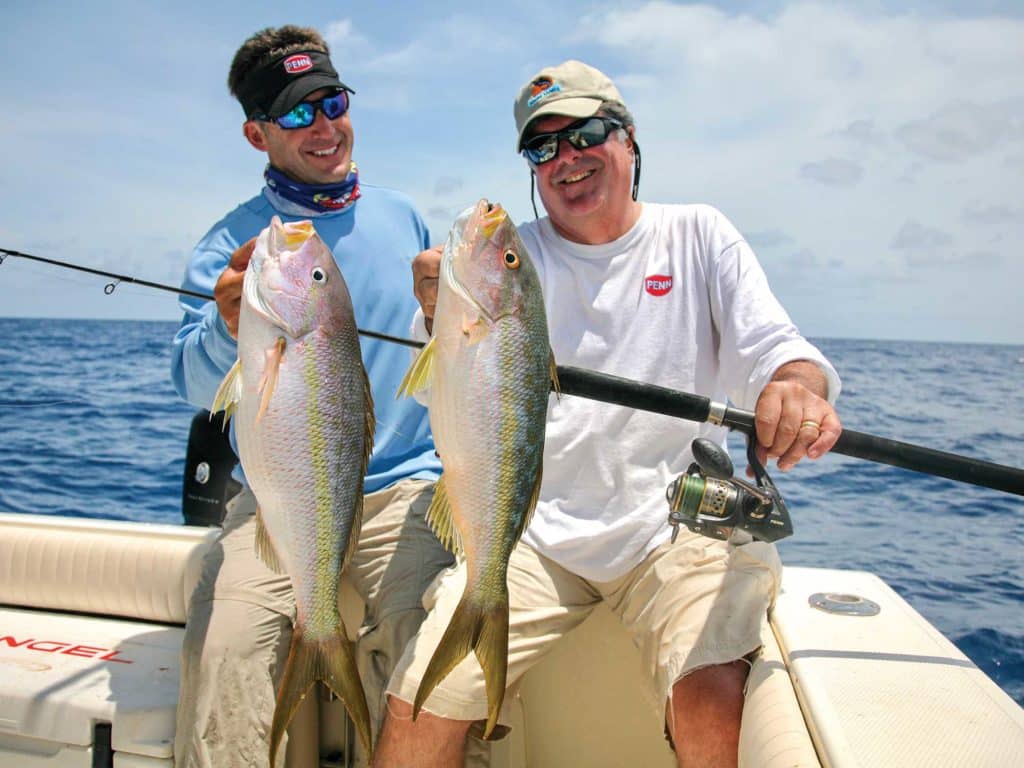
[[374, 242]]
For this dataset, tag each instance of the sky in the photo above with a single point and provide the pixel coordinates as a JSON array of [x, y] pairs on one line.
[[871, 152]]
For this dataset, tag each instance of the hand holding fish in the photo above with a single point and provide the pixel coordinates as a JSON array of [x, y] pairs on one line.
[[228, 290], [792, 417], [425, 269]]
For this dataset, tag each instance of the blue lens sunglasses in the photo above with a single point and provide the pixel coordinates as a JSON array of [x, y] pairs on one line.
[[588, 132], [303, 114]]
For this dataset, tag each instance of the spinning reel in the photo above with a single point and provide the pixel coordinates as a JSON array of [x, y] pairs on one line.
[[708, 500]]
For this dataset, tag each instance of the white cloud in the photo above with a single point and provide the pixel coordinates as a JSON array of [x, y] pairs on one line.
[[894, 117], [958, 131], [833, 171], [768, 238], [905, 119], [913, 236], [447, 185], [988, 215], [863, 132]]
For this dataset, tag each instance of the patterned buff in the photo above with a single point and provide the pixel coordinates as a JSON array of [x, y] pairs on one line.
[[325, 198]]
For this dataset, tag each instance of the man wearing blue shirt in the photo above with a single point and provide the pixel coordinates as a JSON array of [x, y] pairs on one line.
[[240, 616]]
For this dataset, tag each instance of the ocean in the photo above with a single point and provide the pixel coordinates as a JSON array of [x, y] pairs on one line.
[[92, 427]]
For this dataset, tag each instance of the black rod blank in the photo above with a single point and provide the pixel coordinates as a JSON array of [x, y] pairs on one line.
[[670, 402]]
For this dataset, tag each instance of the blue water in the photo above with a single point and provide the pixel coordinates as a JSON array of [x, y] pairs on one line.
[[91, 427]]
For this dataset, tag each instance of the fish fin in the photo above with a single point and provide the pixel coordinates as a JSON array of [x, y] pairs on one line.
[[475, 330], [442, 523], [532, 505], [357, 512], [420, 373], [228, 393], [332, 661], [483, 628], [370, 426], [553, 373], [268, 381], [265, 546]]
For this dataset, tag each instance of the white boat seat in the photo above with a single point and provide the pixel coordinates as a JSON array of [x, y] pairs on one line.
[[104, 567]]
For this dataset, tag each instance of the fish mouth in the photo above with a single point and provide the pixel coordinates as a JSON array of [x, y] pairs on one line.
[[283, 241], [484, 217], [491, 215]]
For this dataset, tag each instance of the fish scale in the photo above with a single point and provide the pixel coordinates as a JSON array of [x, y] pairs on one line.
[[489, 369], [303, 416]]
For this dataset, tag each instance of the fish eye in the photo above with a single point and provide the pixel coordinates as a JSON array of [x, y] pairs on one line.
[[511, 259], [319, 276]]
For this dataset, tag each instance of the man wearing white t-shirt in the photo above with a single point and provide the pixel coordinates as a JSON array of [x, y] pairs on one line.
[[667, 294]]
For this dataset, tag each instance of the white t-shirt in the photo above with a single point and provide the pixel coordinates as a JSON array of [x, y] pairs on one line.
[[680, 301]]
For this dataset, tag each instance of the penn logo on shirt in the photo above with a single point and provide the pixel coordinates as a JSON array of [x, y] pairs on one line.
[[658, 285], [300, 62]]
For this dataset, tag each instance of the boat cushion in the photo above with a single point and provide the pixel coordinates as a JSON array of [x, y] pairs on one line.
[[887, 688], [103, 567]]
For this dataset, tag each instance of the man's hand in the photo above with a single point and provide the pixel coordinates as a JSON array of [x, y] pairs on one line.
[[228, 291], [425, 269], [792, 417]]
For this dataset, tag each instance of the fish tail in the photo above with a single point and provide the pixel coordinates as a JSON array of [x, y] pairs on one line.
[[483, 628], [332, 661]]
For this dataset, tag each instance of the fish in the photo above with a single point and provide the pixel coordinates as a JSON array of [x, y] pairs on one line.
[[304, 421], [489, 369]]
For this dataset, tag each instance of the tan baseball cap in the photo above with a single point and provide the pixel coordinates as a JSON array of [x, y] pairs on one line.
[[572, 88]]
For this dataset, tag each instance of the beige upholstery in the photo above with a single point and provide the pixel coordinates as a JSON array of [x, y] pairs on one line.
[[104, 567], [774, 734]]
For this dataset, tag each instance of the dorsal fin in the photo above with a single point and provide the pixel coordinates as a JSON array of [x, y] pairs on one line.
[[553, 373]]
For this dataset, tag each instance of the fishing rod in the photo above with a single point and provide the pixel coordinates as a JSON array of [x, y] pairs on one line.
[[110, 287], [604, 387], [670, 402]]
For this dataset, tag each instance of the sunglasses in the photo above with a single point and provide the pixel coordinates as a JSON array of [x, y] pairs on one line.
[[303, 114], [588, 132]]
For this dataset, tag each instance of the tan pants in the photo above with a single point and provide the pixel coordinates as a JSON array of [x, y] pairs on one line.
[[691, 604], [240, 619]]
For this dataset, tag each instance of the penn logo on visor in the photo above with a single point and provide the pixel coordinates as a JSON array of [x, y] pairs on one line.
[[300, 62], [658, 285]]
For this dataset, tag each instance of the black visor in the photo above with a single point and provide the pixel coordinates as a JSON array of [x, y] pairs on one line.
[[280, 84]]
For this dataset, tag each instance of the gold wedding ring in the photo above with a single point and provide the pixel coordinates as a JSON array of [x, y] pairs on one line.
[[812, 424]]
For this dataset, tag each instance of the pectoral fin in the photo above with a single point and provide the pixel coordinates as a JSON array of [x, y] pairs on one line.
[[228, 393], [420, 373], [271, 369]]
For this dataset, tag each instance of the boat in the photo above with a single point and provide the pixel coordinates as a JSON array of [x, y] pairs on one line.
[[92, 616]]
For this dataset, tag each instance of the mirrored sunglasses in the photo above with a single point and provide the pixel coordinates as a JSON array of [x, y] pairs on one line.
[[588, 132], [303, 114]]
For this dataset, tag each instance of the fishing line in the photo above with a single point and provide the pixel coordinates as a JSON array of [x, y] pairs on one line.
[[109, 288], [41, 403], [642, 396]]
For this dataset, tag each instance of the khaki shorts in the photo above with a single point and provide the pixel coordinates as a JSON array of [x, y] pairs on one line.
[[240, 622], [690, 604]]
